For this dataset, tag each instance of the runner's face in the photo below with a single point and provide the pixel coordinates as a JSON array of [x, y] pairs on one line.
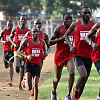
[[22, 20], [9, 26], [35, 32], [86, 14], [67, 19], [38, 24]]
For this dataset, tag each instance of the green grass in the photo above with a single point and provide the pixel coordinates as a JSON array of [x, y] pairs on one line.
[[90, 91]]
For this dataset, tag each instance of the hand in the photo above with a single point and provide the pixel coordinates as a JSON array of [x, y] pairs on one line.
[[12, 46], [16, 46], [73, 50], [45, 54], [5, 42], [29, 57], [22, 58], [94, 46]]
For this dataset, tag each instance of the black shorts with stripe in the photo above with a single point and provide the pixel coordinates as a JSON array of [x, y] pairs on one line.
[[8, 56]]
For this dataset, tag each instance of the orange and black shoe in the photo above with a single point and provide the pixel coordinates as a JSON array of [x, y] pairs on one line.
[[75, 95], [10, 83]]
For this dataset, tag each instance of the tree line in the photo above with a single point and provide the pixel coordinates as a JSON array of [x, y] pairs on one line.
[[54, 7]]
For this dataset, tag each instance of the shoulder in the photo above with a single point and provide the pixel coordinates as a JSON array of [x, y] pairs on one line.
[[29, 30], [58, 28], [73, 26], [2, 32], [97, 25], [45, 34], [14, 30]]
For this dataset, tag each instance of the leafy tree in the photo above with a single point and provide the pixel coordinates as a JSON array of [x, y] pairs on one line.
[[48, 6], [62, 6], [35, 7], [10, 7]]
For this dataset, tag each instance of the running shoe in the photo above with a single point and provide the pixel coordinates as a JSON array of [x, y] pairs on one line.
[[53, 97], [23, 83], [98, 98], [20, 88], [32, 97], [67, 98], [75, 95], [10, 83]]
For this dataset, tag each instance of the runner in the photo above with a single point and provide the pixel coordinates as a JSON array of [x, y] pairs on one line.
[[96, 48], [81, 50], [18, 35], [34, 47], [8, 55], [42, 35], [63, 56]]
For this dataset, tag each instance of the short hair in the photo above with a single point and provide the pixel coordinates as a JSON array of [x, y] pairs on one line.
[[85, 7], [22, 16], [37, 20], [66, 14], [9, 22], [33, 28]]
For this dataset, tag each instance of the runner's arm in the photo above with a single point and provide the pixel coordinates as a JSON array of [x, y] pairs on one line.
[[46, 39], [12, 35], [44, 49], [1, 37], [20, 49], [55, 38]]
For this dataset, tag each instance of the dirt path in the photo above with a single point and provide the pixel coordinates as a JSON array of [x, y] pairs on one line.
[[12, 93]]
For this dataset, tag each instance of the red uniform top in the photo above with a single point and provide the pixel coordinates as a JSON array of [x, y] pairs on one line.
[[6, 35], [96, 54], [40, 37], [82, 47], [35, 51], [63, 50], [19, 35]]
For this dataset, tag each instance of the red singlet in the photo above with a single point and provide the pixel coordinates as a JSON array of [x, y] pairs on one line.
[[96, 54], [40, 37], [35, 51], [82, 47], [19, 35], [6, 35], [63, 50]]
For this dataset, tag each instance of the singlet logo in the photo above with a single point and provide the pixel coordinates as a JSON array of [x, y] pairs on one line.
[[71, 38], [7, 37], [35, 52], [20, 37], [83, 34]]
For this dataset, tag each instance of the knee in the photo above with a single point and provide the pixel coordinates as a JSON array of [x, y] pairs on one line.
[[29, 87], [84, 77], [72, 75], [22, 69], [11, 64], [17, 69], [99, 72], [36, 85], [6, 66], [56, 80]]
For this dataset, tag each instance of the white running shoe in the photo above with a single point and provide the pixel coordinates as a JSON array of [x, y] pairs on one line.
[[98, 98]]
